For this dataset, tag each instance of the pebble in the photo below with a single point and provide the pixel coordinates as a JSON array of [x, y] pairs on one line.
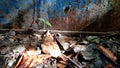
[[79, 48], [4, 51]]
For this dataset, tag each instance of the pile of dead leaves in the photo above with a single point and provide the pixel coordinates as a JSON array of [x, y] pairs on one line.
[[50, 50]]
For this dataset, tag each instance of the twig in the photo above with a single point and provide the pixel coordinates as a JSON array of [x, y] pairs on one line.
[[19, 61], [79, 66], [108, 53], [64, 31], [33, 14]]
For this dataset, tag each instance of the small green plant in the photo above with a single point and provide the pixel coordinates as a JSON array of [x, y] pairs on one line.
[[45, 21]]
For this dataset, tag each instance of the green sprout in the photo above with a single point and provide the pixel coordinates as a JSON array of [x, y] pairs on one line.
[[45, 21]]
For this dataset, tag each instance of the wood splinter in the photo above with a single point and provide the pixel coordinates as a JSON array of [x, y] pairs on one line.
[[108, 53]]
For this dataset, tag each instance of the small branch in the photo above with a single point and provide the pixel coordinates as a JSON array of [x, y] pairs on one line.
[[108, 53], [19, 62], [64, 31], [79, 66]]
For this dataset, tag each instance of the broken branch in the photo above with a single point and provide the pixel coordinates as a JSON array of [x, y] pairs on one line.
[[108, 53]]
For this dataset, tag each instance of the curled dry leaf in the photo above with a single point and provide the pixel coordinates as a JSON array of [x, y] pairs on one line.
[[31, 58], [50, 46]]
